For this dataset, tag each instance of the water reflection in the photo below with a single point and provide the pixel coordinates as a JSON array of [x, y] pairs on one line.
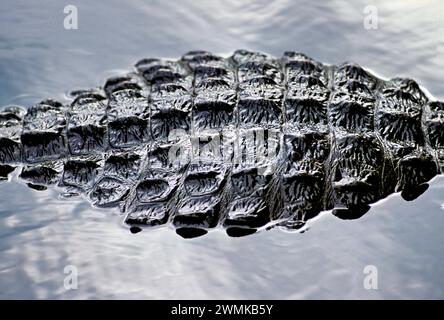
[[41, 234]]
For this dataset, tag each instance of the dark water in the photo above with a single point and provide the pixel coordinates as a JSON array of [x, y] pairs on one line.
[[41, 234]]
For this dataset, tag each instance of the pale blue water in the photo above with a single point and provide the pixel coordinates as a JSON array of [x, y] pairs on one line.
[[40, 234]]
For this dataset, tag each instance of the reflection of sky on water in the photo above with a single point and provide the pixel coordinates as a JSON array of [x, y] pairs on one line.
[[41, 234], [40, 58]]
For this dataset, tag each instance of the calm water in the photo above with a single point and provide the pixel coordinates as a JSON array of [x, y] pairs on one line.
[[41, 234]]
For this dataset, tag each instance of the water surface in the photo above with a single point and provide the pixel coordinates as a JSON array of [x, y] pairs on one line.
[[40, 234]]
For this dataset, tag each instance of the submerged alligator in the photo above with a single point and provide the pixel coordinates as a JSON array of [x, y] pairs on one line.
[[246, 142]]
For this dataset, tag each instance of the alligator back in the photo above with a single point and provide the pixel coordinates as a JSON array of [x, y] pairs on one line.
[[245, 142]]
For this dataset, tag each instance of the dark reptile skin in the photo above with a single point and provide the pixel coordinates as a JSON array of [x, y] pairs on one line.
[[241, 142]]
